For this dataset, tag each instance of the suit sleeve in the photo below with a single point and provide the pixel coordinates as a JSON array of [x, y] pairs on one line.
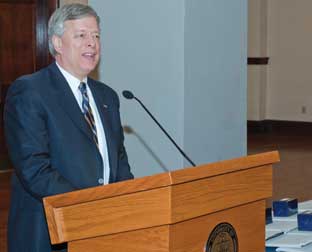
[[124, 172], [28, 142]]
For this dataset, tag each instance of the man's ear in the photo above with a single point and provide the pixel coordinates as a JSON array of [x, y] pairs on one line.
[[57, 43]]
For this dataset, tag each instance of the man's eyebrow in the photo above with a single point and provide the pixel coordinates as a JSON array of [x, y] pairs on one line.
[[85, 30]]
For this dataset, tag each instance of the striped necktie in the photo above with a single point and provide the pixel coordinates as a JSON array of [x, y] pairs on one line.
[[87, 111]]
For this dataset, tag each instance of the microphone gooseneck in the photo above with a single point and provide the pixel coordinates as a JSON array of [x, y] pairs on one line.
[[129, 95]]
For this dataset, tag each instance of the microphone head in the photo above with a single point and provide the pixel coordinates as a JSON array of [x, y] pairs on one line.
[[127, 94]]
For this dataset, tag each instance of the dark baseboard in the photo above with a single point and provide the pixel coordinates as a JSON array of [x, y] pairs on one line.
[[277, 126]]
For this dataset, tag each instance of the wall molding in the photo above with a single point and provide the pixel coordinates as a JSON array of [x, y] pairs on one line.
[[258, 60]]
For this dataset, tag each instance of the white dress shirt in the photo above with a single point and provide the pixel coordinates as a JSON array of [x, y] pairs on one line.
[[74, 86]]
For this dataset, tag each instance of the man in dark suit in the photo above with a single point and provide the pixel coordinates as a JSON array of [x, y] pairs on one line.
[[62, 128]]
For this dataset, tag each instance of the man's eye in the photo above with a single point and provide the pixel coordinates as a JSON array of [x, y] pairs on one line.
[[80, 35]]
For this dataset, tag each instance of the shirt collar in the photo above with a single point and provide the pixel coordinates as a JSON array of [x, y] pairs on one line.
[[72, 80]]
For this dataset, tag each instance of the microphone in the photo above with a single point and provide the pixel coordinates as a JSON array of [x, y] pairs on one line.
[[129, 95]]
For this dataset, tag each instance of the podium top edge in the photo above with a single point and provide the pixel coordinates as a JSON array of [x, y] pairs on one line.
[[224, 166], [163, 179]]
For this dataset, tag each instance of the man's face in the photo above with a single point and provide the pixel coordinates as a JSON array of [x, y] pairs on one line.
[[79, 47]]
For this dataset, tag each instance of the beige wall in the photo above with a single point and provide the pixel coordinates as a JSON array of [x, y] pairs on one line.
[[282, 31], [257, 47], [290, 49]]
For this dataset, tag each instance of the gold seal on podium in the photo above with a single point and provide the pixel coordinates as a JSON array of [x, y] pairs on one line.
[[222, 238]]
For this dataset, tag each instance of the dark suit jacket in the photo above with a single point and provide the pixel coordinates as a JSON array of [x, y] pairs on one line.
[[52, 149]]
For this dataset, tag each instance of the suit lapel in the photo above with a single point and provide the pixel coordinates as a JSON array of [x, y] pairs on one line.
[[68, 102], [103, 107]]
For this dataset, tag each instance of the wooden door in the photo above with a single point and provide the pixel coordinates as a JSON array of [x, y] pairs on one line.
[[23, 47]]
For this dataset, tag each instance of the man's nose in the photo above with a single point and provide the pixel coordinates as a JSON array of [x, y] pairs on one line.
[[91, 40]]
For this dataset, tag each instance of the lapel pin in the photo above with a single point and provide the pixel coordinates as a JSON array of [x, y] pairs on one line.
[[105, 106]]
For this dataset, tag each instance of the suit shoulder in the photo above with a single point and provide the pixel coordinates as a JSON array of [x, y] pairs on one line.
[[28, 85], [107, 90], [102, 85], [31, 80]]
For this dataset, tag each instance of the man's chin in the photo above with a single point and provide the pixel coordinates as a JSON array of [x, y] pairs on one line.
[[88, 69]]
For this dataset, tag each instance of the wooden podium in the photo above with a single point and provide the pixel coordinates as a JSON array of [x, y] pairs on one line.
[[174, 211]]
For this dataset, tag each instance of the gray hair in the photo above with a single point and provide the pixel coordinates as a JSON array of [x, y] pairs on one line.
[[67, 12]]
